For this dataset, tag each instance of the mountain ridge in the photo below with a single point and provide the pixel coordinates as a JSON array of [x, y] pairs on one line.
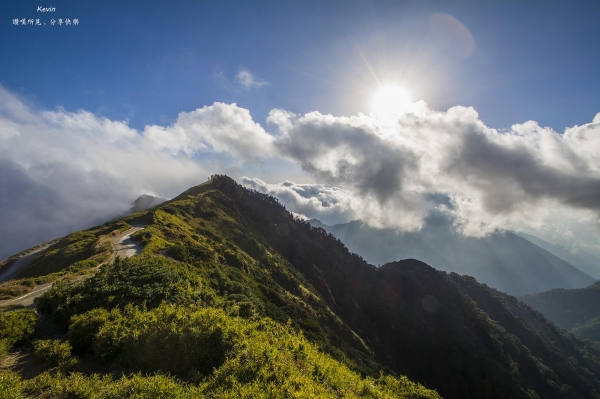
[[238, 259], [504, 261], [146, 201]]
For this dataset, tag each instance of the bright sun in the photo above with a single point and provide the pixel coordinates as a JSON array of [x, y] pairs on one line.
[[391, 100]]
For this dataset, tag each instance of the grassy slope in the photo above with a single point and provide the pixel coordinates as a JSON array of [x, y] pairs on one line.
[[66, 258], [194, 289], [91, 246], [479, 343]]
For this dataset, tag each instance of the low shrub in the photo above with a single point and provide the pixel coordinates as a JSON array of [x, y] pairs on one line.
[[18, 327], [10, 385], [169, 339], [54, 352], [15, 288], [84, 327], [76, 385], [136, 281]]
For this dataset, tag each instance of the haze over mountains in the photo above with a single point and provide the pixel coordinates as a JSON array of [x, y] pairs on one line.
[[584, 261], [504, 261]]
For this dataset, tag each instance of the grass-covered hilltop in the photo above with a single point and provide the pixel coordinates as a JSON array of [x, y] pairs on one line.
[[232, 296]]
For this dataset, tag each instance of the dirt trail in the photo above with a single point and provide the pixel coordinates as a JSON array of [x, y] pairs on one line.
[[123, 247], [27, 299]]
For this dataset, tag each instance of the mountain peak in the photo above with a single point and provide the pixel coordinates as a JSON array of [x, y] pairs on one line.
[[146, 201]]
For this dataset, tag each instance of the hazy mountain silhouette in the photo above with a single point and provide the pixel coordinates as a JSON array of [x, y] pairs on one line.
[[504, 260], [584, 261], [146, 201]]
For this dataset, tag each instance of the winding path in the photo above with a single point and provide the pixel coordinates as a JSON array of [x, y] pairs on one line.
[[123, 246]]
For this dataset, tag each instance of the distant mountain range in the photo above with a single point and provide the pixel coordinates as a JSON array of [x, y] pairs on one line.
[[577, 310], [503, 261], [584, 261]]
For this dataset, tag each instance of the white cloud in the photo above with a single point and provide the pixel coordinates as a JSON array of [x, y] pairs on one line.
[[493, 179], [61, 171], [248, 81], [222, 128], [326, 203]]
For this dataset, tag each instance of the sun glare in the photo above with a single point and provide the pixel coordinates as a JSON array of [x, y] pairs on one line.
[[391, 100]]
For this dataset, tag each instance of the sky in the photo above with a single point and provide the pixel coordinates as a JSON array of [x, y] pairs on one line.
[[489, 112]]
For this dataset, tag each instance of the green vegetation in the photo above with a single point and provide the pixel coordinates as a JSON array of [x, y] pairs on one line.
[[83, 249], [206, 352], [234, 297], [126, 281], [55, 353], [221, 353], [65, 260], [195, 315], [19, 287], [16, 288], [576, 310], [77, 385], [11, 386], [589, 330], [17, 327]]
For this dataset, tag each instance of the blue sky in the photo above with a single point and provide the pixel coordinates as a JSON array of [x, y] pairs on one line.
[[147, 61], [493, 106]]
